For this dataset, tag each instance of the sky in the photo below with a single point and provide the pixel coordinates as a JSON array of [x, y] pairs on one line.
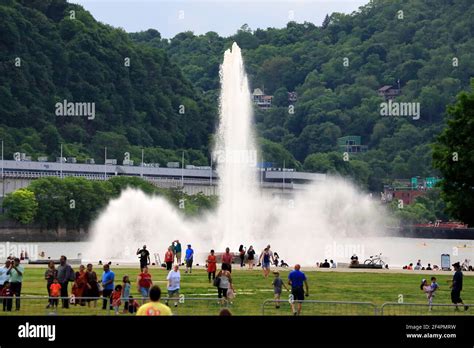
[[225, 17]]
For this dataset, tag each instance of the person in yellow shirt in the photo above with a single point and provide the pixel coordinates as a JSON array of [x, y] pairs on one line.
[[154, 307]]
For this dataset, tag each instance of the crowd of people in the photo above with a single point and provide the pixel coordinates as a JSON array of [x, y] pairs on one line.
[[87, 288]]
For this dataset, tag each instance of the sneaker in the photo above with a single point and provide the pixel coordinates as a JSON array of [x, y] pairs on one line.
[[277, 307], [176, 305], [466, 308]]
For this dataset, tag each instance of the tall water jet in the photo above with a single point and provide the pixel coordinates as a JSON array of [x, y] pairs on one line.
[[236, 154], [315, 224]]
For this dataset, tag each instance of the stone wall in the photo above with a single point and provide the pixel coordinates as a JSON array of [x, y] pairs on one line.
[[11, 231]]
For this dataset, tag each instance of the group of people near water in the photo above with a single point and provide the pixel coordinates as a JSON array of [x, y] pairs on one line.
[[87, 289]]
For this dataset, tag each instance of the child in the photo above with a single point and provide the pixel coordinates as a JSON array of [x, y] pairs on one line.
[[277, 287], [426, 288], [126, 293], [7, 292], [132, 305], [434, 287], [116, 296], [54, 291]]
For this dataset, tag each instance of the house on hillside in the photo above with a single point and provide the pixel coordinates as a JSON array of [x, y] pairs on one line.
[[389, 92], [262, 100], [351, 144]]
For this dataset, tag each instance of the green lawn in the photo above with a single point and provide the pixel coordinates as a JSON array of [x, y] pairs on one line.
[[253, 289]]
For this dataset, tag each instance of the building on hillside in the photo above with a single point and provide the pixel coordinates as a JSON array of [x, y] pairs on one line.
[[389, 92], [351, 144], [262, 100], [407, 190]]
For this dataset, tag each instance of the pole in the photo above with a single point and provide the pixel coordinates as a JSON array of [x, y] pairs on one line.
[[105, 163], [3, 179], [182, 170], [61, 162], [210, 174], [283, 175], [141, 174]]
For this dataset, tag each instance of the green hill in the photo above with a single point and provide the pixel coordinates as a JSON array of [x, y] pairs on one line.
[[427, 45], [51, 51]]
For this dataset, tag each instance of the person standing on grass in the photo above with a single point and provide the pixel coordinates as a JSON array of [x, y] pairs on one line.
[[169, 259], [189, 259], [225, 283], [250, 257], [242, 255], [54, 293], [296, 279], [15, 273], [92, 285], [4, 277], [144, 283], [178, 250], [80, 285], [50, 274], [211, 266], [116, 298], [154, 307], [65, 275], [456, 287], [174, 284], [227, 258], [8, 297], [144, 256], [126, 287], [265, 261], [278, 284], [108, 278]]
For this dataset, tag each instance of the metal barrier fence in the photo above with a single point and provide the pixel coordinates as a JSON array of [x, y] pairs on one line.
[[42, 305], [419, 309], [310, 307]]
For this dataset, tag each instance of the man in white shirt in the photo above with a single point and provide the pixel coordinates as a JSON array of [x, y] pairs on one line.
[[174, 282], [4, 277]]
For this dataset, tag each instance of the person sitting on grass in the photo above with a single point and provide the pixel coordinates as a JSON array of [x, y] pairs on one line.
[[154, 307], [277, 288]]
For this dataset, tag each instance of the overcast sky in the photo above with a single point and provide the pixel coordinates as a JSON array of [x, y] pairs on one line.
[[225, 17]]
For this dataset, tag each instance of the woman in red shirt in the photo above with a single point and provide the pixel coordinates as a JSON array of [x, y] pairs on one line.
[[211, 266], [169, 257], [144, 283], [227, 258]]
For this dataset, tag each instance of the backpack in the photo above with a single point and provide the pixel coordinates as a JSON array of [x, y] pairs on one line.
[[217, 281]]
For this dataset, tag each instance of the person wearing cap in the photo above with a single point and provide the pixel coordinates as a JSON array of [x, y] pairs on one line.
[[456, 287], [144, 256], [188, 258]]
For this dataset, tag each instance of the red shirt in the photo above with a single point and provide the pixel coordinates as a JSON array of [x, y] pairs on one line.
[[211, 263], [116, 296], [169, 256], [227, 258], [145, 280], [55, 289]]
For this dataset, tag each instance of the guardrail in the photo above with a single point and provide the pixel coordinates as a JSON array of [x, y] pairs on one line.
[[418, 309], [43, 305], [312, 307]]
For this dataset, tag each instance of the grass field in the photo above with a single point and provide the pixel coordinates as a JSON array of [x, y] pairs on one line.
[[253, 289]]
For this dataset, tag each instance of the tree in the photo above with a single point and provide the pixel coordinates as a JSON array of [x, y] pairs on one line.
[[326, 22], [21, 205], [453, 155]]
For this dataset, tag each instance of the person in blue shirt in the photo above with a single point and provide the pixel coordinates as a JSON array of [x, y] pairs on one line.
[[189, 259], [108, 278], [296, 279]]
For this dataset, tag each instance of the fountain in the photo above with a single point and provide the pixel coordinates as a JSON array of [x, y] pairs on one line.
[[303, 229]]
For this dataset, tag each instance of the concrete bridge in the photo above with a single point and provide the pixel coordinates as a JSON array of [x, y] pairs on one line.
[[19, 174]]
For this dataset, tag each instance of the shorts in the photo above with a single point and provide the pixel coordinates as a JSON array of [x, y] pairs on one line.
[[173, 293], [178, 256], [456, 296], [277, 291], [189, 263], [298, 293], [221, 292], [266, 265]]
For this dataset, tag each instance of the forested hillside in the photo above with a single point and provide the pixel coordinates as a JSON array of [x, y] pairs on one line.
[[426, 45], [49, 54]]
